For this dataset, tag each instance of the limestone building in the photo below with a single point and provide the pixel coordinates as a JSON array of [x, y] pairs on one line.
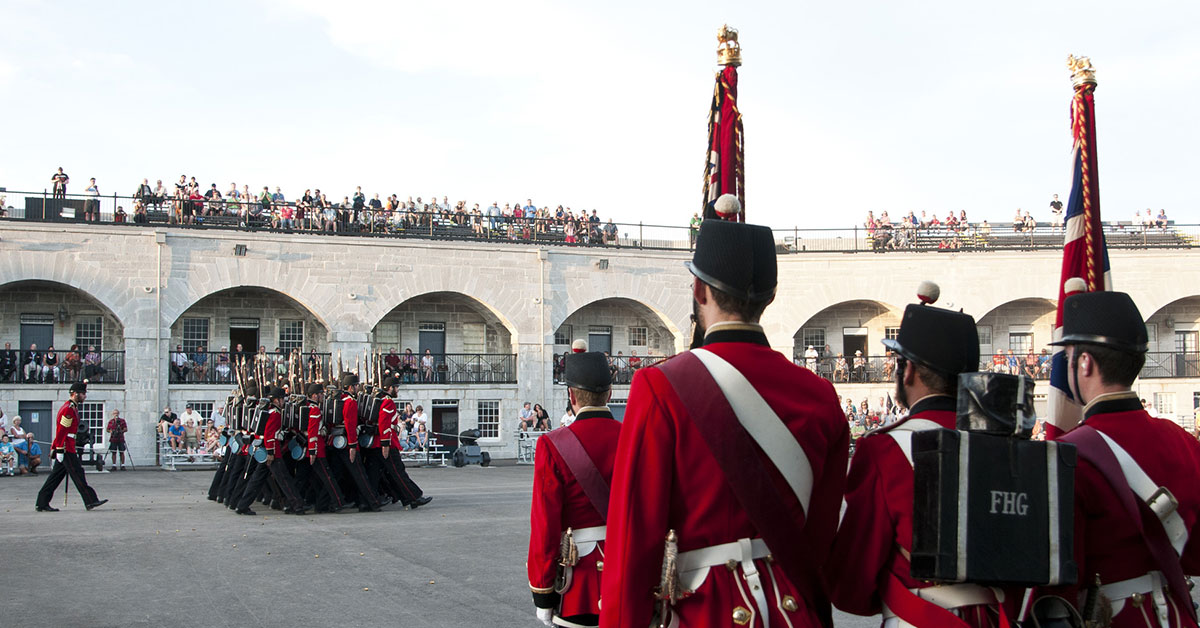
[[493, 316]]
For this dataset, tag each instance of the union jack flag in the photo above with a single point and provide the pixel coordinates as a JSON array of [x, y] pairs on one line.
[[1085, 265]]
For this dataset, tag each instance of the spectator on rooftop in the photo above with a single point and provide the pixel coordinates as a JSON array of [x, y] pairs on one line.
[[1018, 222], [1029, 223], [60, 181], [1161, 220], [91, 206]]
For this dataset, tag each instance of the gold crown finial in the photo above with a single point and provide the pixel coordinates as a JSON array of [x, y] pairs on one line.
[[729, 52], [1082, 72]]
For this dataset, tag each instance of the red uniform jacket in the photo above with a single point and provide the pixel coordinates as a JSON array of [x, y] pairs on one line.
[[316, 444], [666, 478], [1106, 541], [560, 503], [271, 431], [350, 420], [875, 536], [385, 420], [65, 428]]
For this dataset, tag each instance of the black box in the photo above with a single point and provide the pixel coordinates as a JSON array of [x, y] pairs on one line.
[[992, 509]]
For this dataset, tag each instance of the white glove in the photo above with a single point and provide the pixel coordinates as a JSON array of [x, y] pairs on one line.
[[544, 615]]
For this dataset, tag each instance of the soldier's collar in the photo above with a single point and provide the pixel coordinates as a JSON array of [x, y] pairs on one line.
[[927, 403], [590, 412], [735, 331], [1124, 401]]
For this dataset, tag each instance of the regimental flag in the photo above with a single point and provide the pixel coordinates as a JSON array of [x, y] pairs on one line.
[[723, 170], [1085, 256]]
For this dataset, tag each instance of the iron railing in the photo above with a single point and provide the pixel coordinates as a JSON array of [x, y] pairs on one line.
[[470, 226], [1171, 364], [216, 367], [99, 367]]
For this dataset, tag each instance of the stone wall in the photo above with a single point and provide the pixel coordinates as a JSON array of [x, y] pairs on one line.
[[143, 280]]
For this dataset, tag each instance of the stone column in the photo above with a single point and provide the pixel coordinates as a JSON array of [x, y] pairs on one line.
[[145, 392], [351, 345]]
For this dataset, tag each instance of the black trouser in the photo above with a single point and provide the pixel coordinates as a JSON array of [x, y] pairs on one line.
[[259, 472], [283, 480], [214, 489], [237, 465], [399, 478], [344, 466], [241, 482], [328, 493], [69, 466], [302, 474]]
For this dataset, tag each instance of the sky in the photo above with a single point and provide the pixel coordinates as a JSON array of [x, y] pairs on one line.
[[847, 106]]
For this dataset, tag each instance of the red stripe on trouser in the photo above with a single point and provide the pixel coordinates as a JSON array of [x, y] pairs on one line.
[[400, 479], [324, 472]]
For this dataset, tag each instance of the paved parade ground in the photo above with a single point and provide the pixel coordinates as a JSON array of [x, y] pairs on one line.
[[160, 554]]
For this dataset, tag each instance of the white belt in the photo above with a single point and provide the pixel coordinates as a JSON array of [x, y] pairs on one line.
[[1158, 498], [952, 596], [695, 564], [588, 535], [1151, 584], [70, 436]]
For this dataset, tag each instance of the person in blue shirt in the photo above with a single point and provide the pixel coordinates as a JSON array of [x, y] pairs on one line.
[[8, 456], [29, 455]]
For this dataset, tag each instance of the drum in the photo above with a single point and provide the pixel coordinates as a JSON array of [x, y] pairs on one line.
[[296, 448], [223, 440], [259, 455], [366, 440], [339, 441]]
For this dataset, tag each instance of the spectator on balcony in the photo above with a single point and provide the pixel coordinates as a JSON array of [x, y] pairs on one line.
[[810, 358], [8, 362], [92, 364], [29, 454], [1031, 364], [408, 366], [60, 181], [860, 367], [50, 371], [1043, 365], [1013, 363], [181, 366], [200, 363], [889, 365], [1056, 213], [31, 364], [72, 364], [392, 361], [840, 368], [999, 363], [635, 362], [427, 366]]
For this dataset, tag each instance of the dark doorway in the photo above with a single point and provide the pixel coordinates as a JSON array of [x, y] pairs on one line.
[[38, 417], [444, 423], [245, 336], [432, 336], [851, 344], [42, 334], [600, 339]]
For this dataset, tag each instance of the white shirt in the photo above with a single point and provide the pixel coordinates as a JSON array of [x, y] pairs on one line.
[[567, 419], [419, 418], [190, 415], [218, 419]]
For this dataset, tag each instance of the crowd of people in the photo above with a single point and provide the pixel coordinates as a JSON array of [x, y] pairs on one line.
[[622, 367], [47, 366], [186, 202], [20, 453]]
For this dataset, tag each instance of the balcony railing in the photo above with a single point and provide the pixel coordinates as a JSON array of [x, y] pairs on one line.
[[469, 225], [1171, 364], [216, 367], [102, 367], [621, 367]]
